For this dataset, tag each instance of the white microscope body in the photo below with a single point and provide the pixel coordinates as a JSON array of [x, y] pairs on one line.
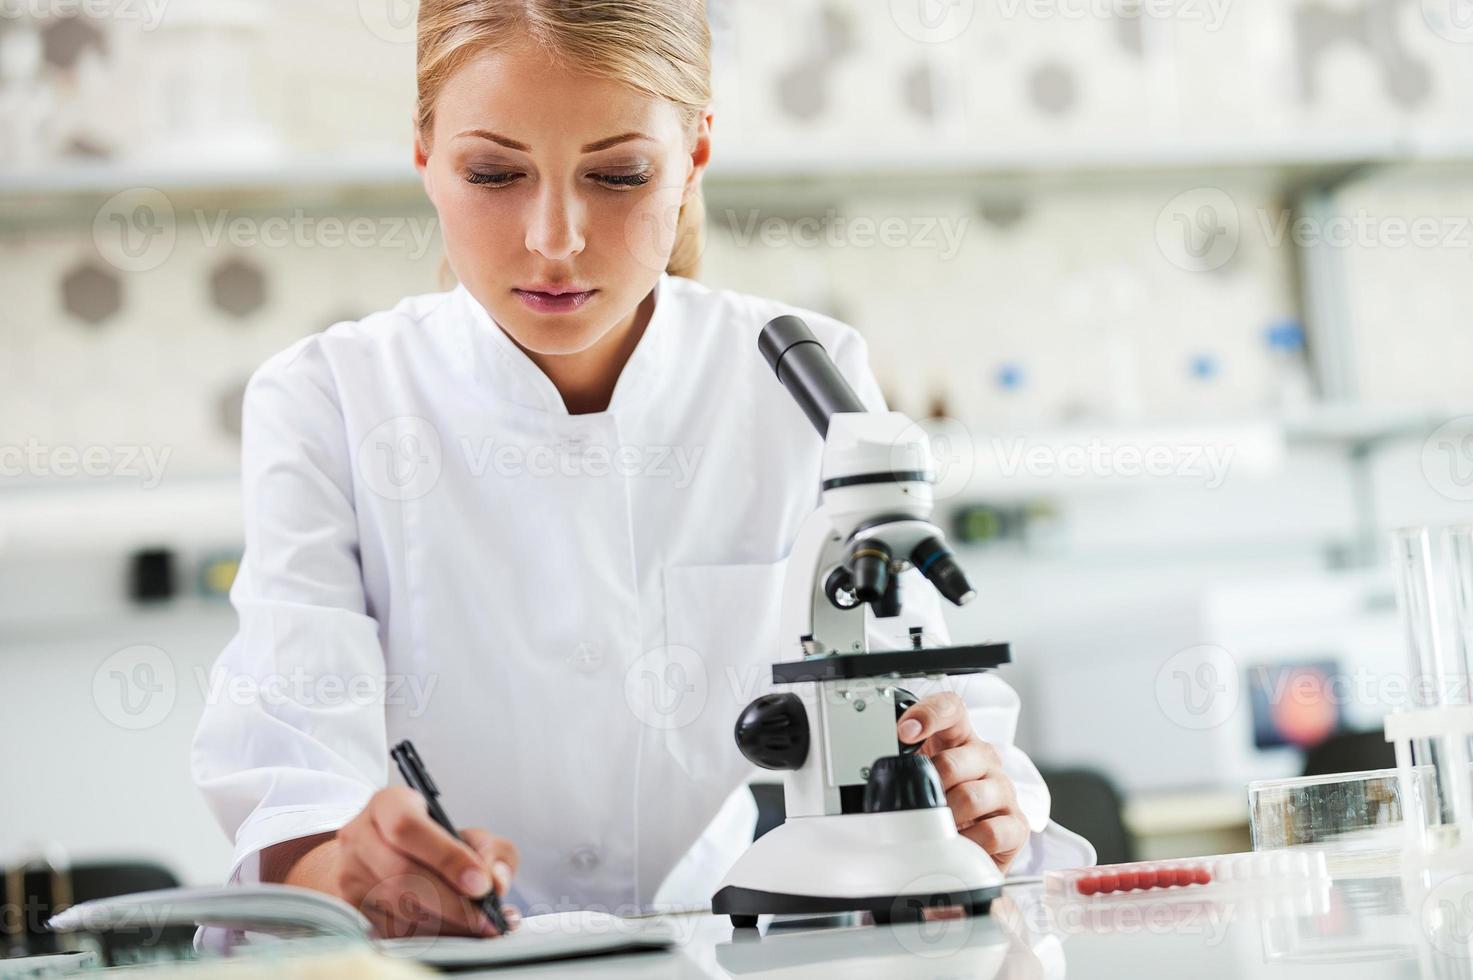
[[867, 827]]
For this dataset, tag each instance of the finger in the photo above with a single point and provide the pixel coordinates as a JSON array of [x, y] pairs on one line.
[[497, 853], [1001, 837], [398, 904], [979, 799], [941, 718], [974, 759], [403, 822], [413, 899]]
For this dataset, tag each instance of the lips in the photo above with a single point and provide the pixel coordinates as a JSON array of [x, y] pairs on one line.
[[554, 298], [554, 289]]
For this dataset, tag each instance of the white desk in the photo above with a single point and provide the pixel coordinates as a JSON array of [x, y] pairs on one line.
[[1357, 928]]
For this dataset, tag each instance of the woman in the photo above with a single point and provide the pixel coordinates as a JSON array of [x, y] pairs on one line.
[[537, 523]]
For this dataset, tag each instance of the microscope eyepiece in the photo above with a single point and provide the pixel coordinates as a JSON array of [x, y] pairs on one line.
[[939, 565], [807, 371]]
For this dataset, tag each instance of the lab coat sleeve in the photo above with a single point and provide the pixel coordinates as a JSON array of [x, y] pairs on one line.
[[292, 741], [992, 704]]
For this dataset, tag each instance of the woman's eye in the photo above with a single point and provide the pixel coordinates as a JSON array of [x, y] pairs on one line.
[[624, 180], [498, 179]]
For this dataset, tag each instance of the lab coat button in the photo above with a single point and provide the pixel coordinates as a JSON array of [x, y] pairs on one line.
[[587, 658], [584, 860]]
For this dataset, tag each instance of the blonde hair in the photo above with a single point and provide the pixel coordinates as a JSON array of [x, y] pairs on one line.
[[659, 47]]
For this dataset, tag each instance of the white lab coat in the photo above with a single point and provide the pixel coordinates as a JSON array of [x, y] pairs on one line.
[[564, 612]]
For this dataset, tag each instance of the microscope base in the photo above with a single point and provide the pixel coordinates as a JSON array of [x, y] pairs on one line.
[[885, 908], [892, 865]]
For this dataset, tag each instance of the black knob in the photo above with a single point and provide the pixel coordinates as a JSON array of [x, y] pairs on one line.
[[839, 587], [772, 731], [902, 782]]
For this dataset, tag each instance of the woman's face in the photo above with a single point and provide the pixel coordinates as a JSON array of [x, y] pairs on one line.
[[557, 193]]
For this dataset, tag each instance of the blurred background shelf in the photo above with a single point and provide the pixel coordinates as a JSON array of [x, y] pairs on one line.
[[1305, 161], [43, 516], [84, 517]]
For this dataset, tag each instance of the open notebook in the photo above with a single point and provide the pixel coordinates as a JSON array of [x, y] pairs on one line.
[[284, 910]]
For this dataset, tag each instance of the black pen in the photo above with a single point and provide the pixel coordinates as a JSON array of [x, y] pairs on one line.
[[418, 778]]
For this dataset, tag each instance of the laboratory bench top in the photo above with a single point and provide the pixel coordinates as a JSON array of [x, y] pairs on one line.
[[1387, 927]]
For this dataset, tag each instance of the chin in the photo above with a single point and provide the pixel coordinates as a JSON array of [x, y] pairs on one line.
[[551, 335]]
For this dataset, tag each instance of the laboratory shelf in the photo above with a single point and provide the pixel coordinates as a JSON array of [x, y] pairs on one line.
[[43, 516], [1298, 161], [50, 516], [1352, 425]]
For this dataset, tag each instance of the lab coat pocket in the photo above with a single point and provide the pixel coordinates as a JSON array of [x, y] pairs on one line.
[[721, 628]]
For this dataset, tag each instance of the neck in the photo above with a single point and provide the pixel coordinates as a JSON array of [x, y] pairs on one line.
[[586, 379]]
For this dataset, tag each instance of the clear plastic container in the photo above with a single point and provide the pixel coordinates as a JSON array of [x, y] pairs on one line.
[[1349, 809]]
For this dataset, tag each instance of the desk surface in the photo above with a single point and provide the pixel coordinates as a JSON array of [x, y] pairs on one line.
[[1385, 928]]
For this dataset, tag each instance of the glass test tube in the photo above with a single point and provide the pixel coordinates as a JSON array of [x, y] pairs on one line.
[[1458, 546], [1458, 550], [1411, 561]]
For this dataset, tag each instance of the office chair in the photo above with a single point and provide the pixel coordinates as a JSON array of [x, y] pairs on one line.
[[44, 892], [1350, 752], [1087, 803]]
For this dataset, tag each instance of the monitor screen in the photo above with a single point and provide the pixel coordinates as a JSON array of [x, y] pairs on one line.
[[1295, 703]]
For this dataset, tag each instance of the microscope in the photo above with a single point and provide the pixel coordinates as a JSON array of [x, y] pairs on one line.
[[867, 825]]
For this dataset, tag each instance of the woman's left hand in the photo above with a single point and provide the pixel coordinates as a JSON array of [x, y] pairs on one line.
[[981, 796]]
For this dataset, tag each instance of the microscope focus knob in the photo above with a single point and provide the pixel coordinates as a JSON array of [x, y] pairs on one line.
[[772, 732], [902, 782], [903, 702]]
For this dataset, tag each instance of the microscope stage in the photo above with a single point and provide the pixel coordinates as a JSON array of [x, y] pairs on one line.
[[894, 663]]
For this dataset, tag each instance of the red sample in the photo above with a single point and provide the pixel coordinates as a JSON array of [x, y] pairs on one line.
[[1110, 880]]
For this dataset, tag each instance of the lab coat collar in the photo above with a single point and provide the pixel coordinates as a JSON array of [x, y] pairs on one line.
[[497, 364]]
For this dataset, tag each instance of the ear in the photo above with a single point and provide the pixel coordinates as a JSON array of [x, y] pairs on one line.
[[421, 163], [700, 156]]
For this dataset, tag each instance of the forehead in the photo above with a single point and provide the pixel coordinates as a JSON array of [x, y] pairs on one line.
[[521, 91]]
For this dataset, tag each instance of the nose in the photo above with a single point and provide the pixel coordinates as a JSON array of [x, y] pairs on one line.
[[554, 229]]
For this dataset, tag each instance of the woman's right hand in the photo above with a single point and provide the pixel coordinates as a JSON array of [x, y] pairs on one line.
[[405, 872]]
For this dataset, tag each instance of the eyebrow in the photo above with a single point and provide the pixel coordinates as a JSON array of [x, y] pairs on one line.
[[593, 147]]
